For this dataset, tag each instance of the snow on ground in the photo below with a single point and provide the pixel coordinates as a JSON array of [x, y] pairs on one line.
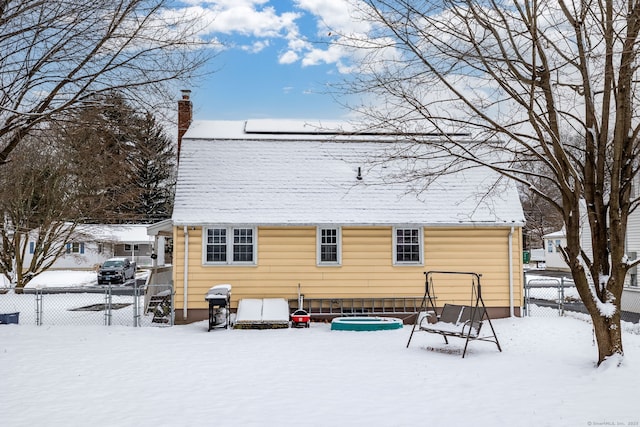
[[59, 279], [186, 376], [544, 286], [65, 279], [66, 375]]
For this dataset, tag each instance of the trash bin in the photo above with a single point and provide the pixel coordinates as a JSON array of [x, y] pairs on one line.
[[8, 318], [526, 257]]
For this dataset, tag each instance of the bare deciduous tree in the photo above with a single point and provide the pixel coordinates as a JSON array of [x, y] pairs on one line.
[[541, 219], [547, 82], [109, 164], [540, 215], [57, 55], [36, 195]]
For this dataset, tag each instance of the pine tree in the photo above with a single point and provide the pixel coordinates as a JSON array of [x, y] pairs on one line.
[[124, 163], [152, 160]]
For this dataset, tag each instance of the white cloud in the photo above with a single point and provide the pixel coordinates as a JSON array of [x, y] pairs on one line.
[[244, 17], [340, 23], [258, 23], [328, 56], [337, 25], [289, 57], [297, 42], [338, 16], [256, 46]]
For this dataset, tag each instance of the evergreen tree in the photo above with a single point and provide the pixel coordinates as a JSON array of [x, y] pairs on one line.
[[152, 161], [124, 162]]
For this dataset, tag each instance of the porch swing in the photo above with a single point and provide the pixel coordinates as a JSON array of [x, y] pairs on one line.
[[460, 321]]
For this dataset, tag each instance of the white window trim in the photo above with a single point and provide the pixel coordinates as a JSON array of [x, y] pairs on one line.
[[321, 263], [229, 261], [75, 248], [395, 247]]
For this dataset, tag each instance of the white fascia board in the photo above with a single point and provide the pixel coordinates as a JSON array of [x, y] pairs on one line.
[[347, 224]]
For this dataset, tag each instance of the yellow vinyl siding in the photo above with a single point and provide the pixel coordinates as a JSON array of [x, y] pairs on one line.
[[478, 250], [286, 256]]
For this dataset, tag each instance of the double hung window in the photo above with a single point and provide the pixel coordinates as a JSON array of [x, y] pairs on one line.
[[329, 242], [75, 248], [407, 246], [230, 245]]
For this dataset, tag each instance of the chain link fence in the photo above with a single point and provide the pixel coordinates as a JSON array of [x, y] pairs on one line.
[[558, 296], [148, 305]]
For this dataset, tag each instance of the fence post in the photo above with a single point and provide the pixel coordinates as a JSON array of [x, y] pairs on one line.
[[107, 308], [561, 304], [38, 307], [136, 301], [173, 313], [526, 295]]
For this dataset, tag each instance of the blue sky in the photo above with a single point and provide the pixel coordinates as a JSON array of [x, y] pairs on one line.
[[275, 61], [254, 85]]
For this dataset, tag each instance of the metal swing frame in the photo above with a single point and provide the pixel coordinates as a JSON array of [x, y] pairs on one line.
[[461, 321]]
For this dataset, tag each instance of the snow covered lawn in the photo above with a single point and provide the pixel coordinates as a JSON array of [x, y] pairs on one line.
[[185, 376], [65, 279]]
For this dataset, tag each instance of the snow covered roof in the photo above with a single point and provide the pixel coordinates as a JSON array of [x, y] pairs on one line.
[[130, 233], [560, 234], [270, 172], [160, 228]]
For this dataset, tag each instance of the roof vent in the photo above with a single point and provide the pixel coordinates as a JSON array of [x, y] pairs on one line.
[[359, 177]]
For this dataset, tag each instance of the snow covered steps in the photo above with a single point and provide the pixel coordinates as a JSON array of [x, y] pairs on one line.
[[265, 313]]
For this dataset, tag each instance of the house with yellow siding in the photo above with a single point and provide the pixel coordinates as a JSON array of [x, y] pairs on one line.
[[267, 205]]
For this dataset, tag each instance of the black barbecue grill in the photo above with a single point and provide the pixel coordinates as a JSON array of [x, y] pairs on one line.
[[219, 299]]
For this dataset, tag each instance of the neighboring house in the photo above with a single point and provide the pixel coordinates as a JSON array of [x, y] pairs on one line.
[[552, 256], [633, 236], [267, 205], [554, 260], [96, 243], [552, 241], [631, 293]]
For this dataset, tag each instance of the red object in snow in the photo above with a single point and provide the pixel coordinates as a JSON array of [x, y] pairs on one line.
[[300, 318]]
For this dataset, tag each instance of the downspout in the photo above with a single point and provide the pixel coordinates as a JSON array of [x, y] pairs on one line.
[[186, 272], [511, 311]]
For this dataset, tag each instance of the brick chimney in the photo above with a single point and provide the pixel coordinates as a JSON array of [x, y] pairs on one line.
[[185, 113]]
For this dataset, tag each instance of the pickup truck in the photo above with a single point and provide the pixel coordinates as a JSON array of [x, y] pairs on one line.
[[116, 271]]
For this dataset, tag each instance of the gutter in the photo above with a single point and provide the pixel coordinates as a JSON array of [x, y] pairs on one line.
[[340, 222], [186, 272], [511, 311]]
